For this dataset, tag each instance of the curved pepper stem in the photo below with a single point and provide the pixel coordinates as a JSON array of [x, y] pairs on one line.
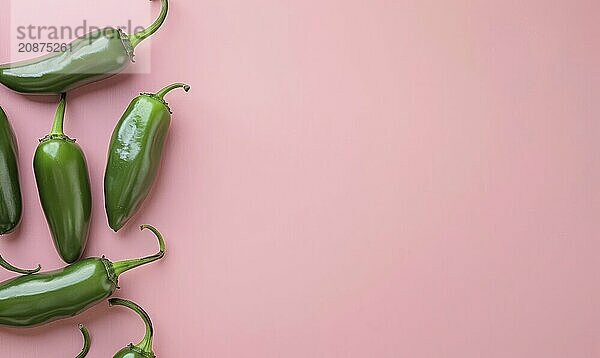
[[59, 117], [161, 94], [138, 37], [146, 343], [126, 265], [12, 268], [87, 342]]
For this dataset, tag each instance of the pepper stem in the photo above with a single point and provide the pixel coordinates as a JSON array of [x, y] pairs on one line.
[[126, 265], [12, 268], [146, 343], [87, 342], [161, 94], [138, 37], [59, 118]]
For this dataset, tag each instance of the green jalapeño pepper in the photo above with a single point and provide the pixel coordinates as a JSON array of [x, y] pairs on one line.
[[144, 348], [10, 189], [93, 57], [87, 341], [135, 153], [40, 298], [63, 184]]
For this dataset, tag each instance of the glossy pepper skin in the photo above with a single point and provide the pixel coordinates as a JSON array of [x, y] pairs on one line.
[[135, 153], [144, 348], [10, 190], [63, 183], [93, 57], [39, 298]]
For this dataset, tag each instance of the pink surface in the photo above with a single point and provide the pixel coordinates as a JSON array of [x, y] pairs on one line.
[[350, 179]]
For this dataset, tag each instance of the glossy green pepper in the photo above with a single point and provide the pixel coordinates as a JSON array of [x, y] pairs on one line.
[[144, 348], [10, 190], [63, 184], [40, 298], [93, 57], [87, 341], [135, 153]]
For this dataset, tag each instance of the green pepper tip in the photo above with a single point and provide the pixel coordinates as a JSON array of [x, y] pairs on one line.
[[5, 264], [145, 345], [59, 117], [138, 37], [161, 241], [86, 341], [161, 94], [126, 265]]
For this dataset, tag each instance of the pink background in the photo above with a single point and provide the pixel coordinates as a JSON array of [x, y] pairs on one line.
[[349, 179]]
